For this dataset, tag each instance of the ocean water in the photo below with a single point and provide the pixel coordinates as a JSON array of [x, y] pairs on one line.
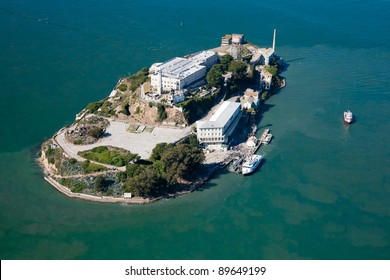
[[324, 190]]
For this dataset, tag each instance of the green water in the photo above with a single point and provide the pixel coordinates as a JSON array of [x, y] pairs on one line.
[[323, 192]]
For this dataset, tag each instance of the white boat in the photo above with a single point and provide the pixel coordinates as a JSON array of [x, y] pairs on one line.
[[251, 163], [348, 117], [267, 139]]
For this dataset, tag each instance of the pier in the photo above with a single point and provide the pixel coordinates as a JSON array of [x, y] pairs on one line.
[[242, 151]]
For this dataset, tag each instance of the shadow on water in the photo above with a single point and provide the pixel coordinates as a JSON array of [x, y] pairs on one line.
[[217, 174], [293, 60], [263, 109]]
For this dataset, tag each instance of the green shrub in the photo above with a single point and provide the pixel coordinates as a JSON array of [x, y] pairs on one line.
[[161, 113], [96, 132], [79, 187], [94, 106], [90, 167], [126, 108], [122, 87], [139, 78], [113, 156], [100, 149]]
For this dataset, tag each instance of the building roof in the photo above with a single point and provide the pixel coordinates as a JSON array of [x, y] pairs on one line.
[[202, 56], [179, 67], [265, 75], [221, 116], [240, 36], [250, 92]]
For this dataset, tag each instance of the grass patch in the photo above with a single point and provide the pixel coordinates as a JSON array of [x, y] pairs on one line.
[[139, 78], [149, 129], [109, 155], [132, 128], [90, 167]]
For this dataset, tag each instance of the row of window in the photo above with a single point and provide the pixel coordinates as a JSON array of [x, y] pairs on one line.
[[210, 134], [211, 139]]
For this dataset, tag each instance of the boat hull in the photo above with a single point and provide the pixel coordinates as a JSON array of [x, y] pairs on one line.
[[249, 170]]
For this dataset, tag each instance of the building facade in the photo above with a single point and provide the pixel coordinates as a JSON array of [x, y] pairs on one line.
[[218, 129]]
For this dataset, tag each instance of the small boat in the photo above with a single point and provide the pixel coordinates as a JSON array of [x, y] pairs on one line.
[[267, 139], [251, 163], [348, 117], [264, 134]]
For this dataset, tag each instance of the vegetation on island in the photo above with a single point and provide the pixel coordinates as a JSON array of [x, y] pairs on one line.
[[109, 155], [169, 164], [87, 131], [68, 166], [161, 113], [171, 167], [138, 78], [122, 87], [239, 69]]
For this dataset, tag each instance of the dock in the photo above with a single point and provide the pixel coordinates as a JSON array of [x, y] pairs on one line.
[[242, 151]]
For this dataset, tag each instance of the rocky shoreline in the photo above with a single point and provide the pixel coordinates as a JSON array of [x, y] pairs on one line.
[[50, 177]]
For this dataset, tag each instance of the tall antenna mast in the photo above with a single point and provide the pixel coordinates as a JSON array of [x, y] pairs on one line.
[[273, 42]]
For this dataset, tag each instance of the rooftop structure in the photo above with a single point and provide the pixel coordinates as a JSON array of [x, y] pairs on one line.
[[238, 39], [206, 58], [221, 125], [177, 73], [250, 99], [265, 79], [226, 40], [262, 56]]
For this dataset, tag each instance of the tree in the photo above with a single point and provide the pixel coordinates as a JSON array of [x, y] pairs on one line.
[[158, 151], [145, 184], [161, 113], [214, 76], [100, 184], [96, 132], [238, 68], [271, 69], [126, 108], [225, 61]]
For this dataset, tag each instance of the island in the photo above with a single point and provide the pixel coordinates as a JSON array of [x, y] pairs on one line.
[[167, 129]]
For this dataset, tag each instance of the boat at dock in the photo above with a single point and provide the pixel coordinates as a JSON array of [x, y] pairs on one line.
[[267, 139], [251, 163], [235, 165], [264, 134], [348, 117]]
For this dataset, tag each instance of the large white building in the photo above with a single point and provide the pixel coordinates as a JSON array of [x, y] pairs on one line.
[[178, 73], [221, 125]]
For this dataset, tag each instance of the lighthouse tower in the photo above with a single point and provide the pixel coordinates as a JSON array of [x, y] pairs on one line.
[[274, 40], [159, 77]]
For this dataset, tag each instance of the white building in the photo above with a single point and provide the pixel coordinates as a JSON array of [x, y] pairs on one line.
[[265, 79], [179, 72], [221, 125], [205, 58], [226, 40], [250, 99], [263, 56], [238, 39]]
